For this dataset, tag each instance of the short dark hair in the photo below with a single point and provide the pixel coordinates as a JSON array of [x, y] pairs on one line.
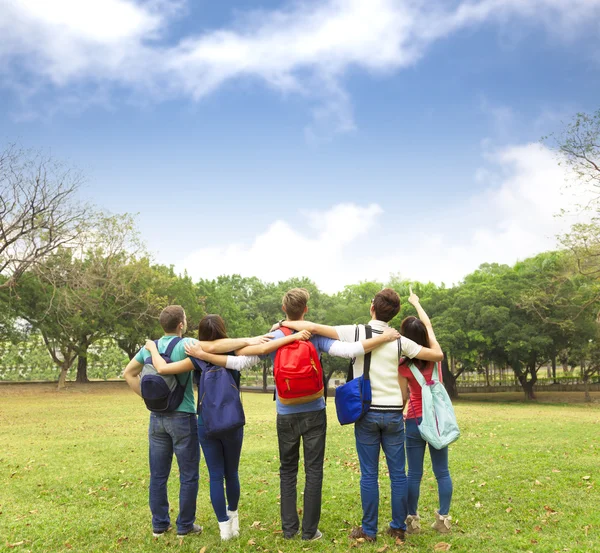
[[170, 317], [414, 329], [386, 305], [211, 327]]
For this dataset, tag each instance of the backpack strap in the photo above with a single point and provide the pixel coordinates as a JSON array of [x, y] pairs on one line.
[[435, 374], [350, 375], [367, 367], [286, 331], [417, 374], [168, 352]]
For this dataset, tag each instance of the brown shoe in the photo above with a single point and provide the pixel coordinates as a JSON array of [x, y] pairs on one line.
[[359, 534], [396, 533]]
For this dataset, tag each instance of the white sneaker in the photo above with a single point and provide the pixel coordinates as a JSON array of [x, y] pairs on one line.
[[225, 528], [413, 524], [235, 522], [442, 523]]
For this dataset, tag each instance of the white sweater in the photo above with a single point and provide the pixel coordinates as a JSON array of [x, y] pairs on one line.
[[384, 365]]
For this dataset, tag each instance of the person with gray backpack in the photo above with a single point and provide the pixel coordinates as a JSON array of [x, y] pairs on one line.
[[430, 421], [173, 425]]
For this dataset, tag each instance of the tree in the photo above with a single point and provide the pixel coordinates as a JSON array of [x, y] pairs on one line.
[[78, 296], [39, 211]]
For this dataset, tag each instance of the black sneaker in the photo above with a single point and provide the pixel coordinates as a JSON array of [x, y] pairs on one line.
[[195, 529], [318, 535], [159, 533]]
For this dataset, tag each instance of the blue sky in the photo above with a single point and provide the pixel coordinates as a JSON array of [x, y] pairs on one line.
[[340, 139]]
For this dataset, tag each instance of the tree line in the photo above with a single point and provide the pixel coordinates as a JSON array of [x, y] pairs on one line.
[[76, 276]]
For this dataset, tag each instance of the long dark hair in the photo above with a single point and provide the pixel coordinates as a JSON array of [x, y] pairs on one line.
[[414, 329], [211, 327]]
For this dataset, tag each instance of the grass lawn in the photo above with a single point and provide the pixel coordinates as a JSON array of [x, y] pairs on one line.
[[74, 477]]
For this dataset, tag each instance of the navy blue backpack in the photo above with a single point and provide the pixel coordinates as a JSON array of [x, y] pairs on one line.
[[162, 393], [219, 401], [353, 399]]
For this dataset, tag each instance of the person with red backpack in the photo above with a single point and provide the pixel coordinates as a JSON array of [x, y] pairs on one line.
[[301, 413]]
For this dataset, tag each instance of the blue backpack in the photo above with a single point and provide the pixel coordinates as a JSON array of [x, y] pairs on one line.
[[353, 399], [438, 426], [219, 401], [162, 393]]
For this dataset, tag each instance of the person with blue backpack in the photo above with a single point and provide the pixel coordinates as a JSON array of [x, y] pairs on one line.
[[173, 423], [421, 379], [381, 427], [220, 413]]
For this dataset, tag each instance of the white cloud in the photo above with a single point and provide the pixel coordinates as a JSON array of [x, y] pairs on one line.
[[513, 217], [305, 47]]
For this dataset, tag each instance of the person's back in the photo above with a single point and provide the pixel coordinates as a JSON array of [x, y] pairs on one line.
[[171, 433]]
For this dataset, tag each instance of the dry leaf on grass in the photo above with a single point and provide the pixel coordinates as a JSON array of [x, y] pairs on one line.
[[251, 542], [442, 546], [203, 550]]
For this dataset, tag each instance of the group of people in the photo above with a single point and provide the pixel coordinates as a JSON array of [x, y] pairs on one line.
[[395, 397]]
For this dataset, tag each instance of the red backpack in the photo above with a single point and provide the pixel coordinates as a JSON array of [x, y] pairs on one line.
[[298, 372]]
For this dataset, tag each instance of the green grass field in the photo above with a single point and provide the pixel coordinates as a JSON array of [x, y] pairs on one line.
[[74, 477]]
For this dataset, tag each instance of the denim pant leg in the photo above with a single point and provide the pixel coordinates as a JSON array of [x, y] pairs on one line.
[[161, 457], [314, 431], [288, 437], [439, 463], [392, 442], [415, 452], [183, 428], [215, 462], [232, 449], [368, 441]]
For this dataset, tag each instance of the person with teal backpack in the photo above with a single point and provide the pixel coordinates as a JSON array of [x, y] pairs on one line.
[[430, 420]]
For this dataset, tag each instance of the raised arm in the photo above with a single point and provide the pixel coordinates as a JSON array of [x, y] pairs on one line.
[[225, 345], [434, 351], [313, 328], [272, 345], [132, 375], [162, 367]]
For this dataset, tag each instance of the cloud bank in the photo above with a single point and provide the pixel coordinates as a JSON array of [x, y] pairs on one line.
[[513, 217], [305, 47]]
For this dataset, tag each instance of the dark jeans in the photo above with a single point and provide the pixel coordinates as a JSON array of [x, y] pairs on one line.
[[311, 427], [222, 456], [415, 452], [170, 433], [375, 431]]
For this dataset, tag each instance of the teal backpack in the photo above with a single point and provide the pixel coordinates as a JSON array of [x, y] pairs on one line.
[[438, 426]]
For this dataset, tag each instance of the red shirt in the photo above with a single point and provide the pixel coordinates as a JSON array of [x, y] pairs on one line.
[[414, 408]]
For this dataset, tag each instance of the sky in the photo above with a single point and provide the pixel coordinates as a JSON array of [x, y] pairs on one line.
[[341, 140]]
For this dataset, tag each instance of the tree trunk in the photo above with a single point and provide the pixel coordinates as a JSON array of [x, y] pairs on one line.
[[449, 379], [265, 373], [527, 386], [62, 378], [82, 362], [554, 369], [586, 389], [487, 375]]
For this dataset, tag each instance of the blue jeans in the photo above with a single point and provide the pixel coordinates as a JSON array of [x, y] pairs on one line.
[[415, 451], [374, 431], [222, 456], [170, 433]]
